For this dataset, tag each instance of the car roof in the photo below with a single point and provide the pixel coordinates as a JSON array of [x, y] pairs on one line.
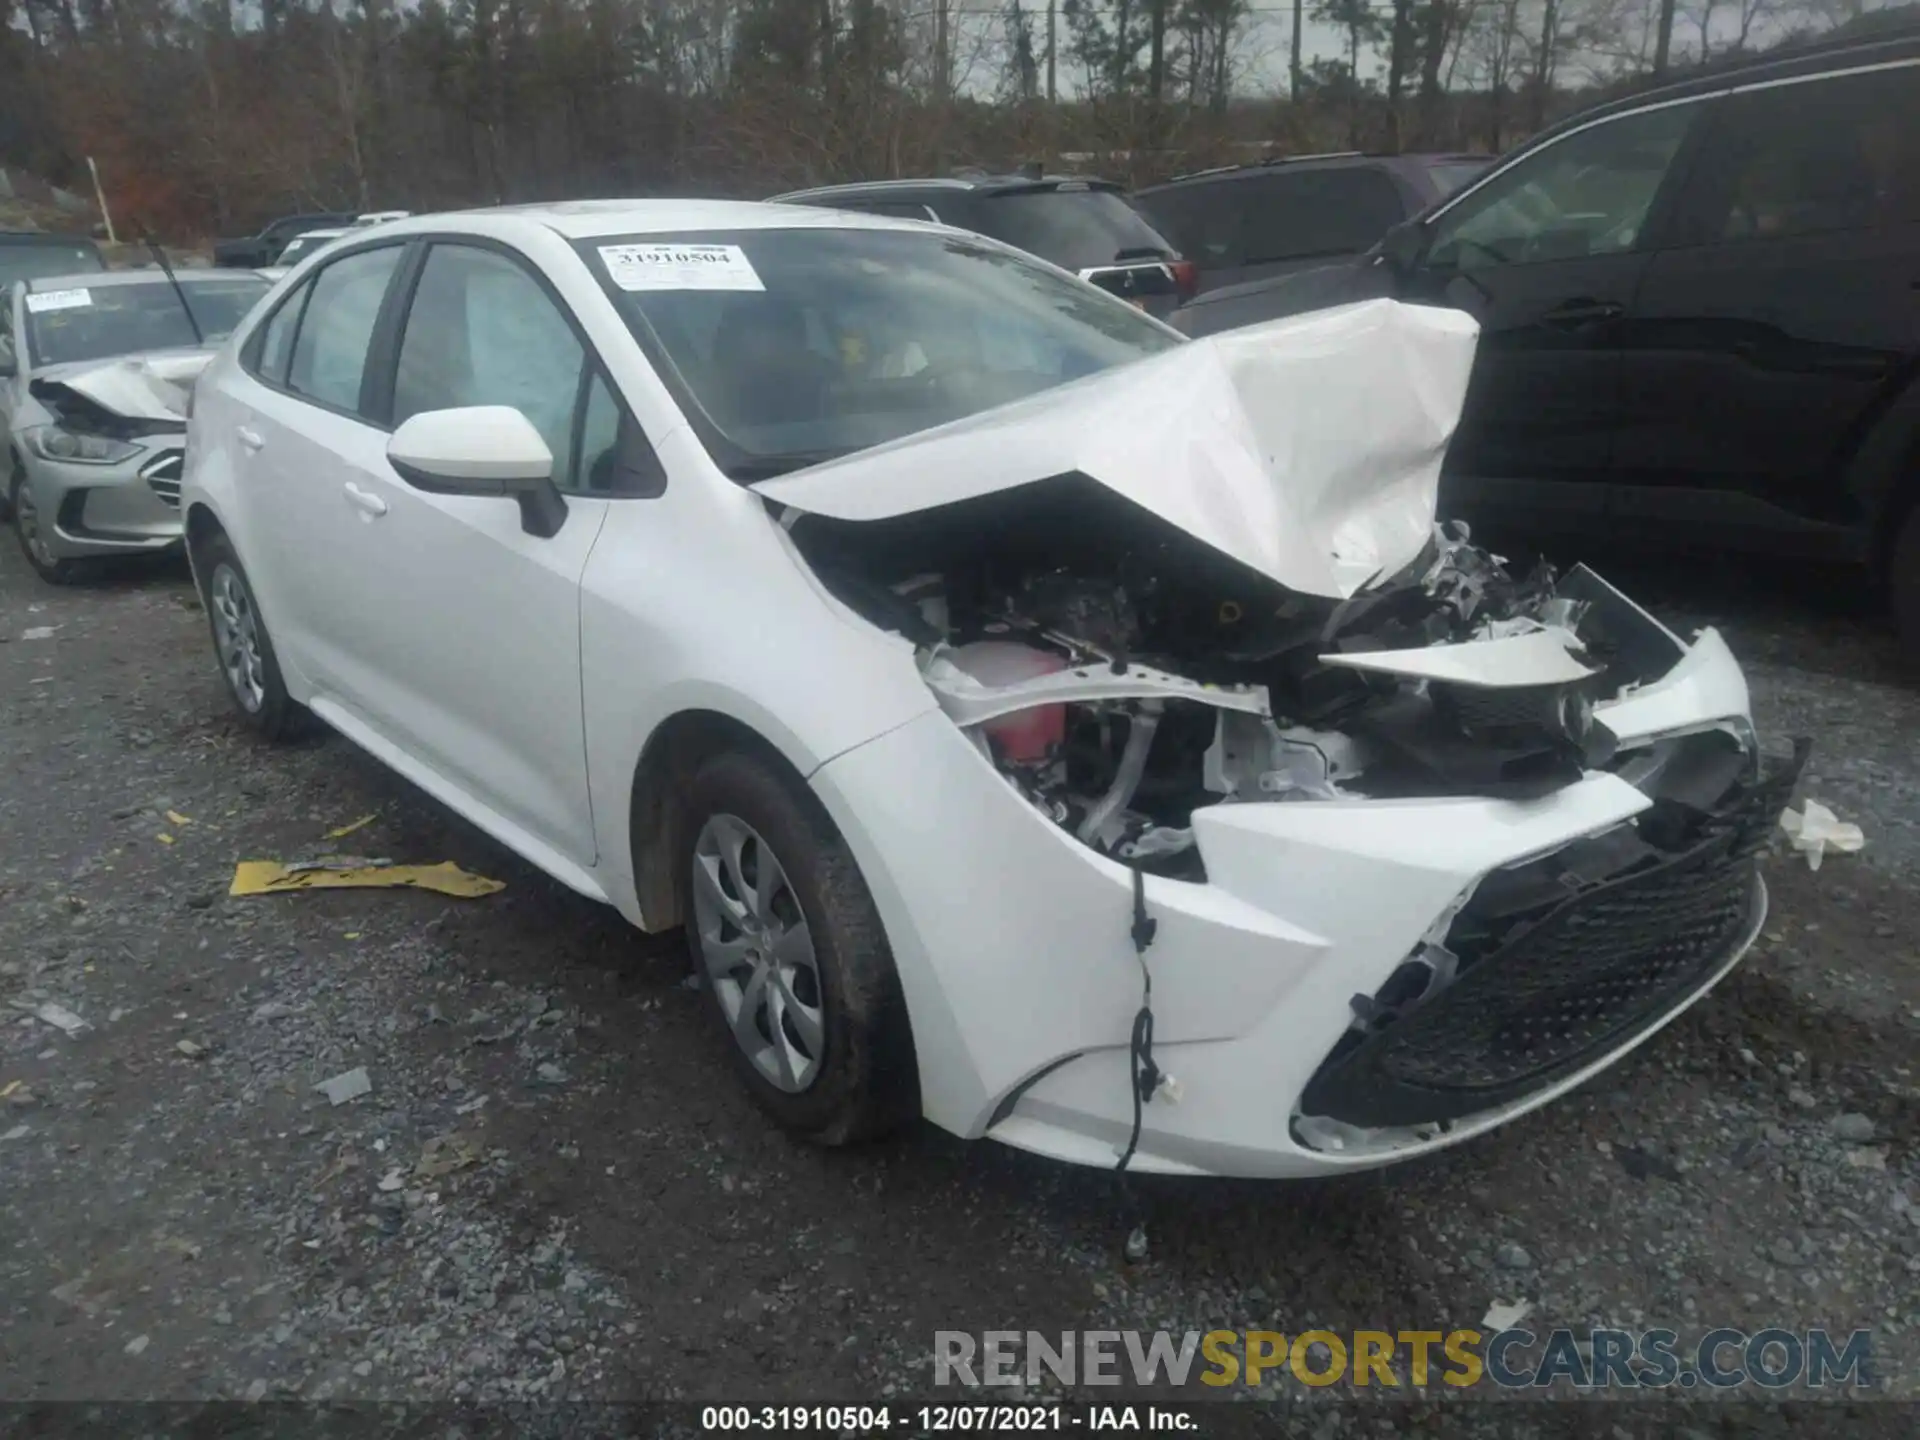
[[110, 279], [1788, 62], [1331, 160], [43, 237], [603, 219], [982, 183], [329, 233]]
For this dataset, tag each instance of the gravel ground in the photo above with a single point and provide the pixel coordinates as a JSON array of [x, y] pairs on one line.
[[555, 1188]]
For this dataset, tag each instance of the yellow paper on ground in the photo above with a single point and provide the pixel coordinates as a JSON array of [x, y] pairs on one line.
[[270, 877]]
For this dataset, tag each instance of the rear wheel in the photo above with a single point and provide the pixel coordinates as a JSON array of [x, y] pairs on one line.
[[30, 527], [1903, 585], [243, 647], [792, 956]]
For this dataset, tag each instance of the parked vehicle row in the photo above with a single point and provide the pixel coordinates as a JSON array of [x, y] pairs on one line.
[[1039, 721]]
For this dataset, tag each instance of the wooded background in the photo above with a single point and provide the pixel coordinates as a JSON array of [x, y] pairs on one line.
[[210, 116]]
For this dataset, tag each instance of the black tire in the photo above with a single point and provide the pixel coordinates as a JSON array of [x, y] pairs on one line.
[[271, 713], [864, 1082], [54, 572], [1903, 585]]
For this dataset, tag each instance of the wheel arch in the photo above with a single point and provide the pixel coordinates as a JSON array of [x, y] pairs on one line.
[[656, 809]]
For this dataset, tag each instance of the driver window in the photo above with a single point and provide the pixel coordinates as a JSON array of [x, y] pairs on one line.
[[483, 332], [1586, 195]]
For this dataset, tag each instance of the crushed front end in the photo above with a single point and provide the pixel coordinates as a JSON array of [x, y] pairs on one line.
[[1387, 864]]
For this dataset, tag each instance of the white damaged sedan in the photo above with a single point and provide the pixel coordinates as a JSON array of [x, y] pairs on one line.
[[1072, 734]]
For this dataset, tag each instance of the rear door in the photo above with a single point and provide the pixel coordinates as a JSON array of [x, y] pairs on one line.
[[305, 432], [1548, 255], [1784, 314]]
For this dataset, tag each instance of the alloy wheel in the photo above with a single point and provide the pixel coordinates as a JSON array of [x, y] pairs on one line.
[[236, 635], [26, 519], [758, 953]]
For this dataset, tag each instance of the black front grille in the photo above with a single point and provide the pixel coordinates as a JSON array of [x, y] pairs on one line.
[[163, 476], [1563, 983]]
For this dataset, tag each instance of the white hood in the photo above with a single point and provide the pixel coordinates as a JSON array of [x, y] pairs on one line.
[[139, 387], [1308, 448]]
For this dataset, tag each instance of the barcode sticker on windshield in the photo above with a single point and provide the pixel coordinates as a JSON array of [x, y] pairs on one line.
[[59, 300], [680, 267]]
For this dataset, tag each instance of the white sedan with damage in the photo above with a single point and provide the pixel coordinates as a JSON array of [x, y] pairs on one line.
[[1039, 723]]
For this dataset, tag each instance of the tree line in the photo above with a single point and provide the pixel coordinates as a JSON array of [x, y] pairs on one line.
[[208, 116]]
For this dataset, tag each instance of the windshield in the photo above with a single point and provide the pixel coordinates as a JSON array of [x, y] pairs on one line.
[[127, 319], [1075, 229], [302, 246], [33, 260], [790, 346]]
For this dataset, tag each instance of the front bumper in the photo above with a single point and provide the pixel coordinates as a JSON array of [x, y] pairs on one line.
[[1012, 942], [91, 511]]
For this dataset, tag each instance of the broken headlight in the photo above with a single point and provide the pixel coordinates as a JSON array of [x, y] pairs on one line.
[[69, 447]]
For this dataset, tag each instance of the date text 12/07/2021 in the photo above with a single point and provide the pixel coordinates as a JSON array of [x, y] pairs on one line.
[[936, 1419]]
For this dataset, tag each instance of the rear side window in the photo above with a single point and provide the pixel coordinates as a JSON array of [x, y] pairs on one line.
[[1075, 229], [274, 350], [1203, 220], [1840, 153], [330, 353], [1318, 212], [1285, 215]]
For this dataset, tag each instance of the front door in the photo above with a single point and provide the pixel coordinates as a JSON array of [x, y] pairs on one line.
[[1548, 255], [1769, 333], [464, 630]]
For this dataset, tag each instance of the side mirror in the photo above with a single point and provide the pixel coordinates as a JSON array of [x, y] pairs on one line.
[[481, 450], [1403, 245]]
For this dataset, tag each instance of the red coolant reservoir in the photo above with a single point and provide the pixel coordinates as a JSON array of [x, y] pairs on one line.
[[1026, 736]]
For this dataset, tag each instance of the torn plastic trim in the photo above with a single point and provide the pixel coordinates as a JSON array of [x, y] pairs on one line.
[[968, 702], [1538, 657]]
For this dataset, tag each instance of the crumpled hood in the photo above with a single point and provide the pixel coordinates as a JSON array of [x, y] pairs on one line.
[[155, 386], [1308, 448]]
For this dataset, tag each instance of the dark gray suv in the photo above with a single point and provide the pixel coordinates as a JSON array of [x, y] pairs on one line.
[[1249, 222]]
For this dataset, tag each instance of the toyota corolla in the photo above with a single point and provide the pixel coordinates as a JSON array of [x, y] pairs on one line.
[[1039, 723]]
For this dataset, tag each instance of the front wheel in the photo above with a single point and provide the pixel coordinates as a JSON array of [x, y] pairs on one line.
[[30, 528], [243, 647], [792, 957]]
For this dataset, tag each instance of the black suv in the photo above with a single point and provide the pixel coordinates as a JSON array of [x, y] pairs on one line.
[[1244, 223], [1699, 311], [1081, 225]]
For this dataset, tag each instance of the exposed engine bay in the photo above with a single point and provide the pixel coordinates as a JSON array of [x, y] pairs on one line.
[[1121, 675]]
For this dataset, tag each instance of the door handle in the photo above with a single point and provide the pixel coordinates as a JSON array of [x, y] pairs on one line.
[[365, 501], [252, 439], [1583, 312]]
